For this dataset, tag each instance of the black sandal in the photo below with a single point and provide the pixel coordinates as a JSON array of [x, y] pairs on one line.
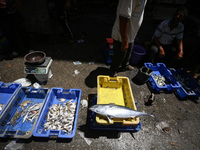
[[150, 100]]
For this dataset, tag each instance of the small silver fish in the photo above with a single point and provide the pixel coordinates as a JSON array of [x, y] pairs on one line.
[[1, 107], [116, 111], [62, 100]]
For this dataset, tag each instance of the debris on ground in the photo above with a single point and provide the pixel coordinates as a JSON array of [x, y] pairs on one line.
[[36, 85], [76, 72], [91, 63], [84, 103], [13, 145], [23, 81], [77, 63], [181, 109], [163, 99], [180, 131], [86, 139], [163, 126], [166, 129], [174, 144]]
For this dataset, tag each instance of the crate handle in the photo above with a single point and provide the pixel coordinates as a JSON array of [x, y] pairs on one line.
[[10, 132], [1, 83], [65, 91], [112, 80], [34, 91], [4, 85], [54, 132]]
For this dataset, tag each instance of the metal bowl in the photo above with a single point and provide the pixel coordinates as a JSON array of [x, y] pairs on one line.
[[36, 57]]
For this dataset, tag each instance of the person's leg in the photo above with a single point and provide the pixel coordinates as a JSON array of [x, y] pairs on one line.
[[125, 62], [63, 19], [170, 55], [156, 57], [118, 56], [69, 31], [152, 53]]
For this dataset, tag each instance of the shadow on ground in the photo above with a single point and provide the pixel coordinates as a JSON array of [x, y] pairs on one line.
[[91, 79]]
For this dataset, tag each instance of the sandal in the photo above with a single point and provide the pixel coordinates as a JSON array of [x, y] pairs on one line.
[[150, 100]]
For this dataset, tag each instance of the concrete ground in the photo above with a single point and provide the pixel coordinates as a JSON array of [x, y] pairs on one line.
[[180, 116]]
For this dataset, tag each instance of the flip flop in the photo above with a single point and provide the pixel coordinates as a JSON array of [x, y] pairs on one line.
[[150, 99]]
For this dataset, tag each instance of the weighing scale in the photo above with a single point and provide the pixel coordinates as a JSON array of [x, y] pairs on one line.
[[42, 68]]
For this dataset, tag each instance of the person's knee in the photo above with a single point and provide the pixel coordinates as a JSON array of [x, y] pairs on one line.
[[154, 49]]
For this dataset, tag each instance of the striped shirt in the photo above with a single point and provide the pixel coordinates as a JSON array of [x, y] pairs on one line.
[[165, 36]]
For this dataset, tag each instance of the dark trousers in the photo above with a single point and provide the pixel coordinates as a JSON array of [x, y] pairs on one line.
[[170, 59], [63, 17], [120, 58]]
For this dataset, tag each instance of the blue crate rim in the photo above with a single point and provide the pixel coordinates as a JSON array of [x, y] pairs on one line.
[[12, 97], [181, 91], [168, 87], [26, 136], [75, 120]]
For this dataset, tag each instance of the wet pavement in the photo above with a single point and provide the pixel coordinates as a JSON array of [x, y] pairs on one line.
[[180, 118]]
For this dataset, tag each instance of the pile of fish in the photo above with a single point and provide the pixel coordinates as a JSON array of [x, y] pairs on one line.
[[61, 116], [1, 107], [30, 113], [160, 80]]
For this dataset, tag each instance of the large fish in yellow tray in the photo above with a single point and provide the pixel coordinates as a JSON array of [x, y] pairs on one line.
[[116, 111]]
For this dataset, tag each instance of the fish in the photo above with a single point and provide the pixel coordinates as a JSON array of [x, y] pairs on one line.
[[116, 111], [14, 119], [1, 107], [62, 100], [24, 104], [61, 116]]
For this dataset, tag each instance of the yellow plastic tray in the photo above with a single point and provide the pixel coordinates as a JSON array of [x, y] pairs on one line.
[[115, 90]]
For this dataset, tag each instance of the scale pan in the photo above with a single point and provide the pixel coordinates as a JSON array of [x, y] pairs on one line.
[[36, 57]]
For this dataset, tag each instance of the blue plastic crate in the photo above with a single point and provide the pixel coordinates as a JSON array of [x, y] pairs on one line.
[[19, 129], [189, 86], [7, 92], [112, 127], [54, 95], [108, 53], [160, 69]]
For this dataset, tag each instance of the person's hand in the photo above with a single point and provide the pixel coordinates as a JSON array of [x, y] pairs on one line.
[[180, 55], [67, 5], [162, 53], [17, 5], [124, 46]]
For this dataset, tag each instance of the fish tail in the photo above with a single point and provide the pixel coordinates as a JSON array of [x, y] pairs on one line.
[[152, 115]]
